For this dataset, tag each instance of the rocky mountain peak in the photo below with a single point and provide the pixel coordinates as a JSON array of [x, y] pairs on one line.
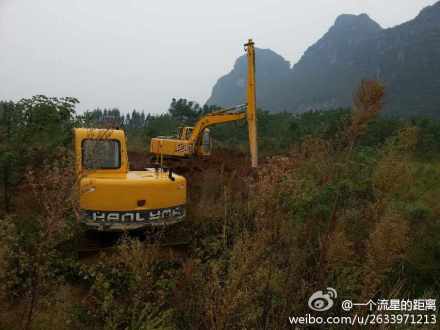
[[361, 22], [265, 57], [231, 88], [352, 26], [346, 32]]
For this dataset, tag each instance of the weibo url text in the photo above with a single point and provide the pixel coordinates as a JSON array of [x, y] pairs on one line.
[[369, 319]]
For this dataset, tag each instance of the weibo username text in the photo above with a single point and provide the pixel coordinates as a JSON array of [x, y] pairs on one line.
[[364, 320]]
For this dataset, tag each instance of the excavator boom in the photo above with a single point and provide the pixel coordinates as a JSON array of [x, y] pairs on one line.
[[251, 103], [218, 117]]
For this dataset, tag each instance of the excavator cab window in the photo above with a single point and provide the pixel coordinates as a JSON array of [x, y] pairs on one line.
[[101, 154]]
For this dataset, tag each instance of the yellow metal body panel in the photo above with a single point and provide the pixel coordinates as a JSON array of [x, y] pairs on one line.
[[121, 193], [171, 147], [119, 199]]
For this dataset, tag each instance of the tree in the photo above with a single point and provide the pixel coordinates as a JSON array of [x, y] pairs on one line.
[[31, 132], [11, 119], [105, 118], [184, 111]]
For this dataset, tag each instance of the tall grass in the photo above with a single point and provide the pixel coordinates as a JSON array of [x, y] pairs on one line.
[[331, 212]]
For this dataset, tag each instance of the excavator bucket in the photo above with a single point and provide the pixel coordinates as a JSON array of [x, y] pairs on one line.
[[251, 103]]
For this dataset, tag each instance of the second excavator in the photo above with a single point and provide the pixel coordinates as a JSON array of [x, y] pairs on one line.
[[196, 141]]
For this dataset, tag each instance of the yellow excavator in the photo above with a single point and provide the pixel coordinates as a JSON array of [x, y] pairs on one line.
[[195, 141], [113, 198]]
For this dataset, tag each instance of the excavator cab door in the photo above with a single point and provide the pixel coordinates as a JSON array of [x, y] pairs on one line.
[[205, 143]]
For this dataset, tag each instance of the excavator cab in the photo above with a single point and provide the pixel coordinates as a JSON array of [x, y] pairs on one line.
[[113, 198]]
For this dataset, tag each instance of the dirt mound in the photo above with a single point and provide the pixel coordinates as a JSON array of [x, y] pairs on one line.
[[207, 177], [223, 160]]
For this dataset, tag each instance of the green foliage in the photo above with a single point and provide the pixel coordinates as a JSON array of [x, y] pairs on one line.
[[31, 132], [187, 112], [11, 119], [341, 200], [47, 122], [184, 111], [277, 132], [34, 267], [130, 289]]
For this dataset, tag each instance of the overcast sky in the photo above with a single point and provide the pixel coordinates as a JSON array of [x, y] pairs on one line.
[[138, 54]]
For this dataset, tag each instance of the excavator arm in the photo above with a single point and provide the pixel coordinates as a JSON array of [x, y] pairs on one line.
[[215, 118]]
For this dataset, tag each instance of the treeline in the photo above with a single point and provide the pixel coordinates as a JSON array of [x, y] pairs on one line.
[[33, 131], [140, 127], [276, 131]]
